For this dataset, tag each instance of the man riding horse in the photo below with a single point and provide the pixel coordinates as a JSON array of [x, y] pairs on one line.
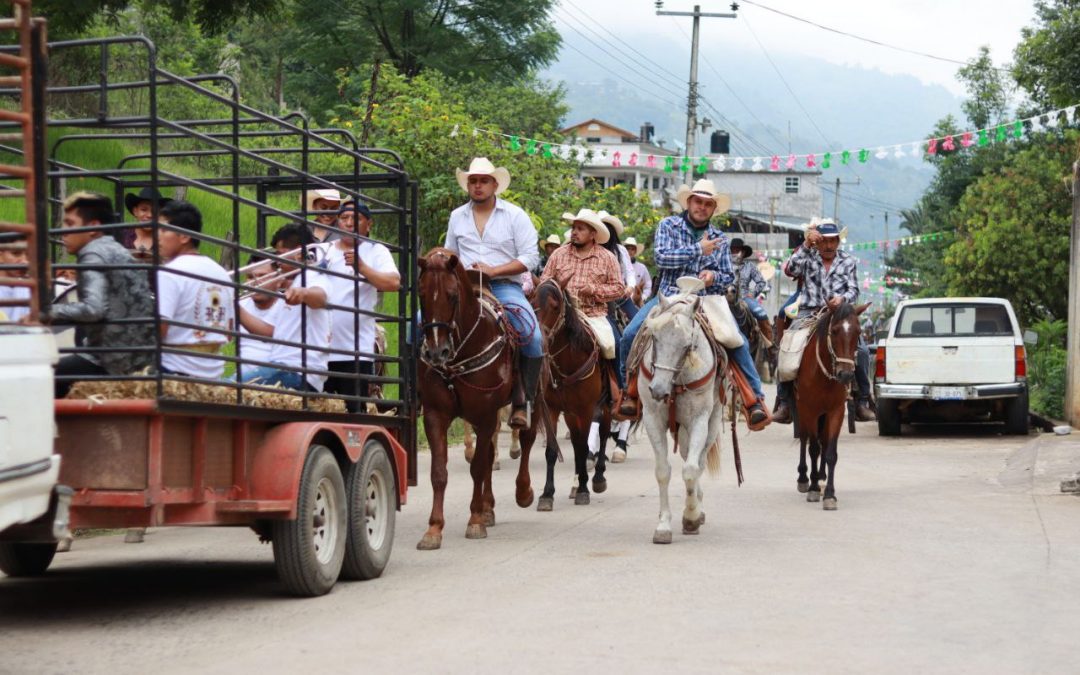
[[497, 239], [752, 286], [689, 245], [829, 277]]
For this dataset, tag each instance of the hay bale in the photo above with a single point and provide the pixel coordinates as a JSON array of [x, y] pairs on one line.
[[180, 390]]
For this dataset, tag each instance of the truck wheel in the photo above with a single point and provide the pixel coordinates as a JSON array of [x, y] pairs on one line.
[[1016, 416], [372, 510], [888, 417], [309, 551], [21, 559]]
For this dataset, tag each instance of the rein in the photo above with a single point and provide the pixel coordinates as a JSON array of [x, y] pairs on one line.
[[829, 373], [558, 377]]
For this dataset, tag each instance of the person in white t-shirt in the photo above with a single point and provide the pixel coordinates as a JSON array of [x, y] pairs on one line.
[[374, 265], [262, 305], [302, 320], [13, 252], [195, 297]]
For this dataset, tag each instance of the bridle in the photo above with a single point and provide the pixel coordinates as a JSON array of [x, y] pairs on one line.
[[558, 377], [836, 360]]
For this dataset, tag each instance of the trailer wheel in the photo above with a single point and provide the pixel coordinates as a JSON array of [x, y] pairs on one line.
[[309, 551], [888, 417], [372, 512], [22, 559]]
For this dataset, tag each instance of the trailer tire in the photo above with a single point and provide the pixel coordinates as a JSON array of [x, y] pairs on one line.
[[888, 417], [372, 510], [24, 559], [310, 550], [1016, 415]]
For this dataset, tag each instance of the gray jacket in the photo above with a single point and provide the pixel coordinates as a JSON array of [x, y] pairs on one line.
[[106, 295]]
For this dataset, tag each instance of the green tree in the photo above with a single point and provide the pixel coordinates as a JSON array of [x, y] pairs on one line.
[[68, 18], [988, 89], [1047, 59]]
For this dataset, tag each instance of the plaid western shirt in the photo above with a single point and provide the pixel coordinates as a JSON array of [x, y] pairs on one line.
[[751, 283], [818, 285], [593, 279], [677, 251]]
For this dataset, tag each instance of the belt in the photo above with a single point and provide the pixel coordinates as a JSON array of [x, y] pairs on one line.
[[204, 347]]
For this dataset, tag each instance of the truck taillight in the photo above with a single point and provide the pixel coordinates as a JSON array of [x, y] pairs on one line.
[[1021, 362], [879, 364]]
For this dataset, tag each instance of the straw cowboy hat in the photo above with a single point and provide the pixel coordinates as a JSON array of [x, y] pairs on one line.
[[552, 239], [592, 219], [328, 194], [612, 221], [630, 242], [482, 166], [703, 188]]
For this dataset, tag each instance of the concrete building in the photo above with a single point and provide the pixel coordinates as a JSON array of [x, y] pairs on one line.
[[789, 197], [617, 156]]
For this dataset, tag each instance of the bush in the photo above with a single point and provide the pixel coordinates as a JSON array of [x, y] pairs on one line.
[[1046, 369]]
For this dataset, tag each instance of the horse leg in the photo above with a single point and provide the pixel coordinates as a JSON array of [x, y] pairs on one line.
[[803, 483], [470, 445], [515, 435], [658, 439], [551, 455], [692, 466], [832, 433], [495, 443], [813, 493], [435, 429], [579, 435], [524, 493], [599, 482], [480, 469]]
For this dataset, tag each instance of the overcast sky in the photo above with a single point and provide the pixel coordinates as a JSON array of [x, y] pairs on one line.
[[949, 28]]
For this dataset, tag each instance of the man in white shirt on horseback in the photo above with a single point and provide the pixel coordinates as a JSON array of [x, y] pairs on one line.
[[498, 239]]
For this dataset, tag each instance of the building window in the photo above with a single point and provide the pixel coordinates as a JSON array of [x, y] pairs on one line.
[[656, 182], [791, 185], [592, 139]]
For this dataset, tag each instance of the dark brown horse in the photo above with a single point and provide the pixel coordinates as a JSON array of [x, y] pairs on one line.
[[464, 371], [573, 387], [821, 392]]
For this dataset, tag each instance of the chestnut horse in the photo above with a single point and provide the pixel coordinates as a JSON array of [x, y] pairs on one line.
[[821, 392], [573, 386], [465, 370]]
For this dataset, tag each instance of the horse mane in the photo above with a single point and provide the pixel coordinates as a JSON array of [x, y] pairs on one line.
[[438, 258], [579, 337]]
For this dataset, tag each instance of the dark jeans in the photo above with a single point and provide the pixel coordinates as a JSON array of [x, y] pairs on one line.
[[74, 365], [347, 386], [628, 308]]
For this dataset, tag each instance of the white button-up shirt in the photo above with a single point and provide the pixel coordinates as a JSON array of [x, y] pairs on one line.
[[509, 235]]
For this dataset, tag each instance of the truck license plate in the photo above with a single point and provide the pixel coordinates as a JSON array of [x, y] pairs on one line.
[[948, 393]]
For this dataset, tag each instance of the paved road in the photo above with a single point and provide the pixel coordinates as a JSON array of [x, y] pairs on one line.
[[951, 552]]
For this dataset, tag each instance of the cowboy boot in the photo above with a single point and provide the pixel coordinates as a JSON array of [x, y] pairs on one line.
[[766, 332], [529, 377], [782, 413], [863, 411], [757, 417], [628, 407]]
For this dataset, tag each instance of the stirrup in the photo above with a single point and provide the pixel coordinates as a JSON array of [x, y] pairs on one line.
[[633, 408], [526, 411]]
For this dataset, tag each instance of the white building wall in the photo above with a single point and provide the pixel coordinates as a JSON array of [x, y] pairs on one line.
[[767, 192]]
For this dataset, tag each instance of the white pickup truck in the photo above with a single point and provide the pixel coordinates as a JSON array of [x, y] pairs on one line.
[[952, 360]]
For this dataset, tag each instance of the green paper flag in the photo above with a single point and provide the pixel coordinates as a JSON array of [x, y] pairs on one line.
[[669, 164], [826, 161], [1001, 134], [515, 143], [984, 139], [845, 157], [864, 155], [685, 164], [547, 151], [703, 165], [1018, 129], [531, 147]]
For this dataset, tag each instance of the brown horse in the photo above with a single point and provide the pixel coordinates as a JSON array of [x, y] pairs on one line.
[[821, 392], [464, 371], [574, 387]]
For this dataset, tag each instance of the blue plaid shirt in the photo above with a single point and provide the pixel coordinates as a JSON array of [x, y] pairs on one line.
[[677, 252]]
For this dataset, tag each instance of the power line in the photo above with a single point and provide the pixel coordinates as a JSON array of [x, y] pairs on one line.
[[861, 38]]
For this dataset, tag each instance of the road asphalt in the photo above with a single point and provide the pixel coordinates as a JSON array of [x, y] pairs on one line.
[[952, 551]]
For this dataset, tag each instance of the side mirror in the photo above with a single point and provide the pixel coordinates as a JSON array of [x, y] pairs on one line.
[[1031, 337]]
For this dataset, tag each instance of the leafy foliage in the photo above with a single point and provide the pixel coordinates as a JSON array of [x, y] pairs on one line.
[[68, 18], [1047, 58], [1047, 368]]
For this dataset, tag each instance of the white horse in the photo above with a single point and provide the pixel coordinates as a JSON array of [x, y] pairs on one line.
[[681, 370]]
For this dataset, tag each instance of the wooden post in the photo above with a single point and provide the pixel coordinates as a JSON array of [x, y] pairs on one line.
[[1072, 383]]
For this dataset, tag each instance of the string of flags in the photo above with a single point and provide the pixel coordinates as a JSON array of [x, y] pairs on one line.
[[881, 244], [820, 160]]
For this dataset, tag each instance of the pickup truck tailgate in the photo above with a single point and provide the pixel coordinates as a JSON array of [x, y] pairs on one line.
[[950, 360]]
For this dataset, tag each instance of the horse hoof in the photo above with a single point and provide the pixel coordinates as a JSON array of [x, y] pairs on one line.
[[476, 531], [803, 487], [619, 456], [545, 504], [430, 542], [526, 500], [573, 492], [515, 453], [661, 537], [581, 499], [599, 486], [829, 504], [813, 496], [495, 466], [489, 519], [691, 526]]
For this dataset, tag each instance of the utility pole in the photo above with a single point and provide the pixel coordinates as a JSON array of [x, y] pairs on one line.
[[887, 244], [692, 96], [836, 198], [1072, 383]]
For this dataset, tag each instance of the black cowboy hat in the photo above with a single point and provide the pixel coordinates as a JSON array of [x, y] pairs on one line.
[[147, 194], [740, 245]]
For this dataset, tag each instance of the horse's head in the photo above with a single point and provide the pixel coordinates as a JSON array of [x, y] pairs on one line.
[[674, 340], [732, 295], [550, 303], [440, 287], [842, 340]]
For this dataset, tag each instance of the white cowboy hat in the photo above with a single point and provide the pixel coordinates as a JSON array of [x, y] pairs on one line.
[[592, 219], [612, 221], [328, 194], [553, 239], [703, 188], [630, 241], [482, 166]]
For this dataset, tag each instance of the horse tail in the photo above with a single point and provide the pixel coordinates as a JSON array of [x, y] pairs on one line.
[[712, 459]]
